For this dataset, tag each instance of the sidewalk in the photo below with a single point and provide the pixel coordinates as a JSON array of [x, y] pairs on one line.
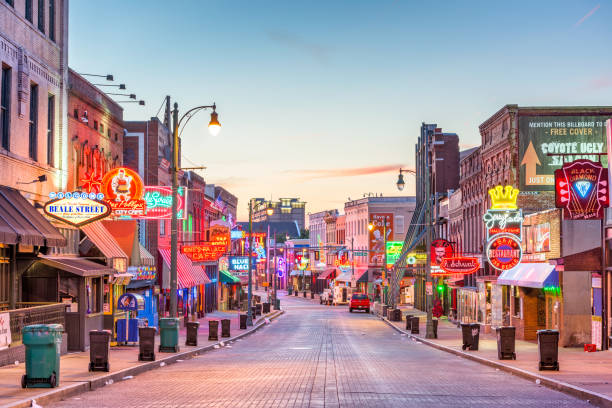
[[581, 374], [75, 377]]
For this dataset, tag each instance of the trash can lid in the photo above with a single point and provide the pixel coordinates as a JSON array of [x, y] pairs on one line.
[[43, 327]]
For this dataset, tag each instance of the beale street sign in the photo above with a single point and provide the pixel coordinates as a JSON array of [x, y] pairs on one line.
[[581, 189], [458, 265], [77, 210]]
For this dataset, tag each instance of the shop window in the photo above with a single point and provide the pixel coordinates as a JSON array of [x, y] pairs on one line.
[[92, 291], [517, 301]]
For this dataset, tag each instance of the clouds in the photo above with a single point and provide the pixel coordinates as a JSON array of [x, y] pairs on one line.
[[602, 82], [345, 172], [318, 52], [586, 16]]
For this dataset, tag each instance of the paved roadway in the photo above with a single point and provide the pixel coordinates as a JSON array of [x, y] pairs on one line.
[[321, 356]]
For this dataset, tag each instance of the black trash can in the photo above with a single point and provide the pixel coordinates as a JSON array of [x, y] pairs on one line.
[[304, 293], [409, 322], [99, 347], [146, 343], [253, 312], [383, 311], [266, 307], [192, 333], [506, 342], [258, 308], [243, 321], [475, 336], [312, 295], [466, 335], [398, 315], [296, 293], [225, 327], [213, 330], [548, 349], [435, 328], [414, 329]]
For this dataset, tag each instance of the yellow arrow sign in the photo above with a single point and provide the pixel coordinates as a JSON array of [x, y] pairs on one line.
[[531, 161]]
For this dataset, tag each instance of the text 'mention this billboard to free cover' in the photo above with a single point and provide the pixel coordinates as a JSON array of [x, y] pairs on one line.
[[546, 142]]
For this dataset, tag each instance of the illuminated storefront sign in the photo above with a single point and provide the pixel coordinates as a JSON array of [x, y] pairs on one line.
[[301, 261], [238, 263], [459, 265], [504, 251], [208, 252], [236, 234], [76, 208], [394, 250], [503, 222], [123, 190], [142, 272], [581, 189], [158, 201], [440, 248]]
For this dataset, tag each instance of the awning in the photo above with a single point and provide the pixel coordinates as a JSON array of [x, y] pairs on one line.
[[327, 274], [530, 275], [297, 272], [141, 283], [77, 266], [99, 236], [226, 277], [21, 223], [362, 275], [146, 259], [187, 274], [344, 277]]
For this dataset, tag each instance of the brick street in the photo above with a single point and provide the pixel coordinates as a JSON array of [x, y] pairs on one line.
[[320, 356]]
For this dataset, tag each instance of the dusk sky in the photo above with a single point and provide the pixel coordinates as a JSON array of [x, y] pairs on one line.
[[323, 100]]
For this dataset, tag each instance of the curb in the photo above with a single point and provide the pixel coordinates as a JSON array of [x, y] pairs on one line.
[[83, 386], [592, 397]]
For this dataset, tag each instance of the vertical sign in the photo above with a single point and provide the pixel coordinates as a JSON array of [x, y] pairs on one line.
[[609, 140], [382, 223]]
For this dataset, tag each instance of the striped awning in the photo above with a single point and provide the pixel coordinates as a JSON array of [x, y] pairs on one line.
[[187, 274], [146, 259], [100, 237], [327, 274]]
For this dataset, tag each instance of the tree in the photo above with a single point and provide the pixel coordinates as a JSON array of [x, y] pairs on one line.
[[304, 234]]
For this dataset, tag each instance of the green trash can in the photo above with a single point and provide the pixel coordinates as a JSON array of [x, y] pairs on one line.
[[43, 343], [168, 334]]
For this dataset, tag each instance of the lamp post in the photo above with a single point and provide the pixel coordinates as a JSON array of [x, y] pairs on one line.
[[214, 127]]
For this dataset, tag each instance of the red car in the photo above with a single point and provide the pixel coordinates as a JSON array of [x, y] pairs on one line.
[[359, 301]]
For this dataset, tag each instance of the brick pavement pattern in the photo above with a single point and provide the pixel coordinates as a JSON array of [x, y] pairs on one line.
[[321, 356]]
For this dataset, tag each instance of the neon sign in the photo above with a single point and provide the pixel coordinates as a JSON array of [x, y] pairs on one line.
[[76, 209], [503, 221], [459, 265], [503, 198], [301, 262], [504, 251], [208, 252], [440, 248], [238, 263], [158, 201], [581, 189], [123, 189]]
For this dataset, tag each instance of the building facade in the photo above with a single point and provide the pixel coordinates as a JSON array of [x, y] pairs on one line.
[[285, 209]]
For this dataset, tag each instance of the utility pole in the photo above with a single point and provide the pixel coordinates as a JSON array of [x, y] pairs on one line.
[[274, 272], [250, 290], [385, 282], [268, 260]]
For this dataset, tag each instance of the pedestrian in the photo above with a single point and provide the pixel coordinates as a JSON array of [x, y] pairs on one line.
[[437, 310]]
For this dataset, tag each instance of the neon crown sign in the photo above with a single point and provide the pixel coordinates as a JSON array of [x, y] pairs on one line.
[[503, 198]]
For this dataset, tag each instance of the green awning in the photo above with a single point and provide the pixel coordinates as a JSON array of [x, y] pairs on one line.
[[227, 277]]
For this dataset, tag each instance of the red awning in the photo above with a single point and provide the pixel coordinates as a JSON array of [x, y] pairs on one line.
[[327, 274], [359, 274], [187, 274]]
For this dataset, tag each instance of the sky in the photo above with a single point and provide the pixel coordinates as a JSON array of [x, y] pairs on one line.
[[323, 100]]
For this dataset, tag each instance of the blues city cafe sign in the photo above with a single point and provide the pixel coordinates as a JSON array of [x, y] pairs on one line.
[[581, 190], [76, 208]]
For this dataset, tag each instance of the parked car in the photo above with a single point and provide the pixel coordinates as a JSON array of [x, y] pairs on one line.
[[359, 301]]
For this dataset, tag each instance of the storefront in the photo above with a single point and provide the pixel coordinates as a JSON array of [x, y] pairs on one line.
[[230, 291], [144, 283], [467, 305], [534, 293]]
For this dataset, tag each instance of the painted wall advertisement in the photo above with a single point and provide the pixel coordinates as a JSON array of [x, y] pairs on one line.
[[5, 330], [546, 142], [382, 224]]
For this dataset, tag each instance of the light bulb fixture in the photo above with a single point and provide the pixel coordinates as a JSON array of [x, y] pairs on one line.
[[400, 182], [214, 127]]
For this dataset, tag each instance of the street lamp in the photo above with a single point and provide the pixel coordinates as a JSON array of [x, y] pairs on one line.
[[174, 171], [400, 178]]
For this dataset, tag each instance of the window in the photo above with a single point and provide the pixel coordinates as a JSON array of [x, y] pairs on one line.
[[162, 227], [76, 113], [399, 224], [5, 107], [10, 3], [28, 10], [102, 128], [41, 15], [50, 129], [96, 124], [33, 121], [517, 302], [108, 132], [52, 20]]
